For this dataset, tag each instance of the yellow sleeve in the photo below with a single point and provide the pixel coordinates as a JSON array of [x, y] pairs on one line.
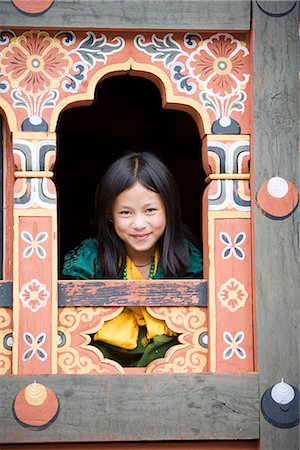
[[122, 331], [155, 327]]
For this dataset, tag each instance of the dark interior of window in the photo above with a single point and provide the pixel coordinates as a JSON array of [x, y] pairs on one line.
[[125, 115]]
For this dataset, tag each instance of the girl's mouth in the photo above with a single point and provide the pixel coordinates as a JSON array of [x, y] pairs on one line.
[[140, 237]]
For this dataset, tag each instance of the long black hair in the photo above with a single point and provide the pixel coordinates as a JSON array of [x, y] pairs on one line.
[[152, 173]]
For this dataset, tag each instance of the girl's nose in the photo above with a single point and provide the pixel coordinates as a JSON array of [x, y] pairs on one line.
[[139, 222]]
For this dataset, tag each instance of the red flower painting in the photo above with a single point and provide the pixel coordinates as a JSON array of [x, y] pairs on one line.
[[35, 62], [219, 64]]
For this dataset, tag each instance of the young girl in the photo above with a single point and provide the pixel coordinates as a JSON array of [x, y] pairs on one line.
[[139, 236]]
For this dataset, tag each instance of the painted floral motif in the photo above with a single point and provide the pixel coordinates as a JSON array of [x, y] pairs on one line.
[[233, 248], [35, 346], [34, 295], [232, 295], [216, 68], [35, 62], [36, 65], [218, 65], [166, 49], [90, 50], [234, 348], [35, 244]]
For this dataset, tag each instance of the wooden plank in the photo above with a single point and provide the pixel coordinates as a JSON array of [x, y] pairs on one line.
[[206, 445], [276, 114], [6, 294], [119, 292], [139, 408], [155, 14]]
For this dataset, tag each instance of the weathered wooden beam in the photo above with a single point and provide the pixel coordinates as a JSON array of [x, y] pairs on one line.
[[172, 14], [118, 293], [139, 408], [276, 135]]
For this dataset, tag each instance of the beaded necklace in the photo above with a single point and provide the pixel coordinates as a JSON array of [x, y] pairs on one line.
[[151, 273]]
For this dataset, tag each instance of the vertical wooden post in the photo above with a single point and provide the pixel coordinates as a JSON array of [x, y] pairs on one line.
[[227, 247], [276, 115], [35, 259], [1, 197]]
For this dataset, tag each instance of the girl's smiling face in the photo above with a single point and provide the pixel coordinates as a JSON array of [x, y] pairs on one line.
[[139, 218]]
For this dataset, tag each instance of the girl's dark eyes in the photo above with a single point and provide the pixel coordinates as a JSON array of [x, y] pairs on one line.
[[125, 213], [150, 210]]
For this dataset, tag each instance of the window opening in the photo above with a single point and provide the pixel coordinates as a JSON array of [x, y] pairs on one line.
[[125, 115]]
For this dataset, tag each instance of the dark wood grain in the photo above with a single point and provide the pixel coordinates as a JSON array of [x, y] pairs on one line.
[[276, 116], [173, 14], [119, 292], [139, 408]]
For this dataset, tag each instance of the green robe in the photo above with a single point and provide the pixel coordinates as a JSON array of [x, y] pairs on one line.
[[82, 263]]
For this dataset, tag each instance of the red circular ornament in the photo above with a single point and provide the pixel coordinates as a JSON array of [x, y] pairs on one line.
[[277, 198], [32, 7], [36, 406]]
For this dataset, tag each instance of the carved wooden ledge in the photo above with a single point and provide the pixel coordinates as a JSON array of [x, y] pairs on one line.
[[185, 292]]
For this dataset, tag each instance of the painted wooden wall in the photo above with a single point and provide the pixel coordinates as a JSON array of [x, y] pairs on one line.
[[228, 399]]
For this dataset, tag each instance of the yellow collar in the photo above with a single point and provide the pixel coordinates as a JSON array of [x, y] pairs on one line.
[[133, 272]]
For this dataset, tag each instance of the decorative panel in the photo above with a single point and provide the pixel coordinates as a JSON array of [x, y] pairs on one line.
[[76, 356], [6, 328], [43, 71], [206, 74]]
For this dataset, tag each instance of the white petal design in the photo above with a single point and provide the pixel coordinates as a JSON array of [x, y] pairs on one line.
[[225, 238], [239, 337], [27, 237], [40, 339], [227, 337], [41, 354], [239, 253], [41, 237], [28, 252], [239, 239], [227, 252], [41, 252], [28, 354], [228, 352], [240, 352], [28, 338]]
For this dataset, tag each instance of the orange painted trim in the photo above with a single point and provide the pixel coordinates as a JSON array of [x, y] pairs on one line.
[[8, 205], [16, 300], [33, 174], [228, 137], [212, 318], [32, 8], [34, 212], [54, 293], [149, 71], [227, 176], [34, 136]]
